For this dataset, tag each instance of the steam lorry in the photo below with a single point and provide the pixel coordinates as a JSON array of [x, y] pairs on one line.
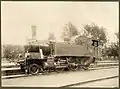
[[57, 56]]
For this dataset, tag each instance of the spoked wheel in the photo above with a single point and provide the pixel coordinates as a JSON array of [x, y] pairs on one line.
[[73, 65], [86, 63], [35, 69]]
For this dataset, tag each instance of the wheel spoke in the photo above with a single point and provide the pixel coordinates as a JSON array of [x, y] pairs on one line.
[[73, 65]]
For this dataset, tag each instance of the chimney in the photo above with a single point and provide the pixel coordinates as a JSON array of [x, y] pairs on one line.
[[33, 27]]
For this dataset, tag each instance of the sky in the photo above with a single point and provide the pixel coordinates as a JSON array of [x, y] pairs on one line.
[[17, 18]]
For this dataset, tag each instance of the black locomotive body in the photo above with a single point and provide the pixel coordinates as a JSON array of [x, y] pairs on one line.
[[58, 57]]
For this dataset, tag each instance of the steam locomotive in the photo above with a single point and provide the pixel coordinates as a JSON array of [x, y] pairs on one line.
[[57, 56]]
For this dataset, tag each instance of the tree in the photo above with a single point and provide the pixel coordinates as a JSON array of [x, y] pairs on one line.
[[117, 44], [117, 34], [11, 51], [95, 32], [69, 31], [83, 40], [7, 51], [51, 36], [112, 50]]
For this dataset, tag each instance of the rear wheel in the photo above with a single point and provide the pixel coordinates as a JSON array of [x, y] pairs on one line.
[[73, 67], [35, 69], [73, 64], [86, 63]]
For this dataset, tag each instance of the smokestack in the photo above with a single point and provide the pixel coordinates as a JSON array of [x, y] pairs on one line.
[[33, 27]]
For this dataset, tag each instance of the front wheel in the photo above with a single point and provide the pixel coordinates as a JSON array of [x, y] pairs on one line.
[[34, 69]]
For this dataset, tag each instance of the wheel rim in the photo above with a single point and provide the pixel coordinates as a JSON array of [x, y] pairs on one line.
[[73, 67], [85, 64], [34, 69]]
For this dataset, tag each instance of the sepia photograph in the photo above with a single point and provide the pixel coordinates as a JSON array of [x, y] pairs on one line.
[[67, 44]]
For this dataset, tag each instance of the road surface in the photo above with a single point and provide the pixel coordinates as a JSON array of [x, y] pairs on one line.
[[62, 79], [114, 82]]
